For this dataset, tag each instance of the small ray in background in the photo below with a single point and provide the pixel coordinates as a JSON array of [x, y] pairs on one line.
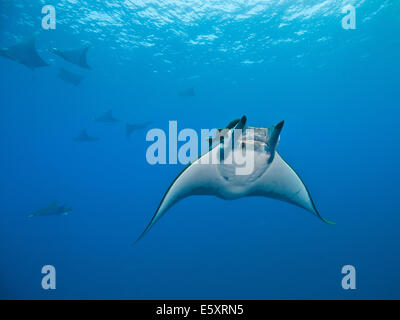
[[132, 127], [70, 77], [51, 210], [24, 52], [187, 93], [84, 137], [75, 56], [107, 117]]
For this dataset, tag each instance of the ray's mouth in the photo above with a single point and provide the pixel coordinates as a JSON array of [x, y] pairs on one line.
[[258, 135]]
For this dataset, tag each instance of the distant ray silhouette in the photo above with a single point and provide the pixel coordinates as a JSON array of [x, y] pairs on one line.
[[24, 52], [132, 127], [106, 118], [51, 210], [187, 93], [84, 137], [70, 77], [75, 56]]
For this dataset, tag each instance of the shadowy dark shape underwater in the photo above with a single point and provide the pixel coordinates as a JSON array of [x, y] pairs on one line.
[[25, 53], [52, 210], [75, 56]]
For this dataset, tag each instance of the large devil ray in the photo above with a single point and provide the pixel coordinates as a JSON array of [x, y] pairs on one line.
[[272, 177], [25, 53]]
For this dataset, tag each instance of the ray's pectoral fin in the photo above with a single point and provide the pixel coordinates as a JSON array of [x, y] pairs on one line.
[[195, 179], [281, 182]]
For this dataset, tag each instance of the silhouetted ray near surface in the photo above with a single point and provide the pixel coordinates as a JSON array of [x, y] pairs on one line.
[[75, 56], [24, 52]]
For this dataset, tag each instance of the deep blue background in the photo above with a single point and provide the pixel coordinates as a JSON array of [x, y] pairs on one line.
[[337, 90]]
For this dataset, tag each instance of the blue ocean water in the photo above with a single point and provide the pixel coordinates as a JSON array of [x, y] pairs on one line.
[[336, 89]]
